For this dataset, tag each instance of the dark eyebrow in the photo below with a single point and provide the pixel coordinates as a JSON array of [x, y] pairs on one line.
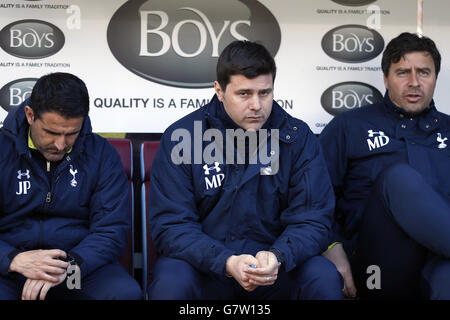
[[409, 69], [424, 69], [402, 70], [251, 90], [51, 132], [57, 133]]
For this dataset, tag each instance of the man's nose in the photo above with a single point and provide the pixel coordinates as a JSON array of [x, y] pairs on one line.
[[60, 143], [414, 79], [255, 103]]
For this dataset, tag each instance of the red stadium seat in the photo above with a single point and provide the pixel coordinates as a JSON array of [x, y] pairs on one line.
[[147, 153], [125, 149]]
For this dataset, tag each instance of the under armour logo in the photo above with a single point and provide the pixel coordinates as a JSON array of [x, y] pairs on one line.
[[373, 133], [207, 169], [441, 141], [20, 174], [73, 182], [379, 139]]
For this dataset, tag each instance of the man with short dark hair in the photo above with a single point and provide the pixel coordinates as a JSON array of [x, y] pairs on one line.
[[389, 165], [240, 201], [64, 200]]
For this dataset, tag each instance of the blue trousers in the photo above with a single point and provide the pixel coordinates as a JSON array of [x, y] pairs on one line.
[[405, 231], [109, 282], [175, 279]]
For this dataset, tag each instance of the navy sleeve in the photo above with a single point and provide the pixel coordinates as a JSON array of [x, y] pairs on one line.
[[307, 219], [7, 251], [334, 145], [7, 254], [110, 221], [173, 216]]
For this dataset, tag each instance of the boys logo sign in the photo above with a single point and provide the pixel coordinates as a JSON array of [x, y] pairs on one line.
[[352, 43], [31, 39], [348, 95], [15, 92], [177, 43]]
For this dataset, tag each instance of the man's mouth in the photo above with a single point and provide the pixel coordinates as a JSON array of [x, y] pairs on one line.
[[413, 97], [53, 151]]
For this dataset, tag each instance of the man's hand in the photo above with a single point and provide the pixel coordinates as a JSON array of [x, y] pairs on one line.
[[236, 267], [266, 271], [40, 264], [33, 288], [337, 255]]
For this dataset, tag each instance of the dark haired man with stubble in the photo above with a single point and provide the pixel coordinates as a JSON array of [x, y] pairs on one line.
[[390, 167], [64, 200], [230, 229]]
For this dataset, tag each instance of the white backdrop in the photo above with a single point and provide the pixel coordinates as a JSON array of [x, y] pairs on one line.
[[124, 101]]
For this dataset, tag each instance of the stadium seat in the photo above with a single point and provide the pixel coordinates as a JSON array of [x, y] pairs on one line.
[[125, 149], [147, 153]]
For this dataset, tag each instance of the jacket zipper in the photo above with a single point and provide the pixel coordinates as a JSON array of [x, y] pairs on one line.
[[48, 197], [48, 200]]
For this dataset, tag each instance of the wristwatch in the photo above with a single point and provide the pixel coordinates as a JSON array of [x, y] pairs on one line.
[[71, 260]]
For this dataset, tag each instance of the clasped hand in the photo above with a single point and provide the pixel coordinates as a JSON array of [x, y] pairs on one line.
[[43, 270], [251, 272]]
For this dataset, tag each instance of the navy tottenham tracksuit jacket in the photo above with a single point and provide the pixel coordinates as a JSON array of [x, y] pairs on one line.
[[359, 144], [82, 208], [204, 223], [391, 177]]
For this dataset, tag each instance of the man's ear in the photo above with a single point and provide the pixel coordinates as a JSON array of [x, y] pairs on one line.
[[29, 113], [385, 79], [219, 91]]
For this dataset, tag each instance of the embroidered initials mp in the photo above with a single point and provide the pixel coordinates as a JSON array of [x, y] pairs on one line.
[[217, 179]]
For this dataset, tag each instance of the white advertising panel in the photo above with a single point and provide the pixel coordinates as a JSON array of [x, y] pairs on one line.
[[147, 63], [436, 25]]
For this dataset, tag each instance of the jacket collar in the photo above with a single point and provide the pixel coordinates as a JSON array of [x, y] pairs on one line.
[[217, 117], [428, 120], [392, 108]]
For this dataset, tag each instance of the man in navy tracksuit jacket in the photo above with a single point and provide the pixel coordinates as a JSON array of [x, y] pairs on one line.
[[64, 200], [226, 229], [390, 167]]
